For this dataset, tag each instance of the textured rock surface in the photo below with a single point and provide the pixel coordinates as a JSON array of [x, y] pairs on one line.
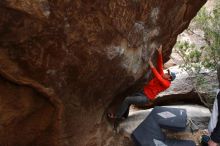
[[63, 62]]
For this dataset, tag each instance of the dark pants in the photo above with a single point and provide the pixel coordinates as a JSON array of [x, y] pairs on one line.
[[136, 99]]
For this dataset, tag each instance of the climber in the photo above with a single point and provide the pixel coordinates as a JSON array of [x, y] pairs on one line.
[[159, 83]]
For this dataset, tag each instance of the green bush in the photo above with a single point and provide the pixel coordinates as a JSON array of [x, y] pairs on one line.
[[197, 58]]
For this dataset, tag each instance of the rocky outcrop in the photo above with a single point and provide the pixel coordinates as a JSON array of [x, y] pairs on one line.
[[62, 63]]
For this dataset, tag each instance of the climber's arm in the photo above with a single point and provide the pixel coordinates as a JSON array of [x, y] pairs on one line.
[[157, 75], [160, 60]]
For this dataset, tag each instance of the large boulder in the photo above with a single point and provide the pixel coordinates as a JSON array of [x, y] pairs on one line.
[[63, 63]]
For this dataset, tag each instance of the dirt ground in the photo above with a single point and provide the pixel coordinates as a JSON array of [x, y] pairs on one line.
[[188, 136]]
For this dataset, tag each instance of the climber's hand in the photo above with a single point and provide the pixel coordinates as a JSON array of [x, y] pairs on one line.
[[150, 63], [152, 52], [159, 49]]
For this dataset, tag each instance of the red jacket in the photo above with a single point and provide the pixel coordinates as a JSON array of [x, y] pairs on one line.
[[158, 83]]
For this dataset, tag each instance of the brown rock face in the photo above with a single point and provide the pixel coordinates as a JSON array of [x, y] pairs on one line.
[[63, 62]]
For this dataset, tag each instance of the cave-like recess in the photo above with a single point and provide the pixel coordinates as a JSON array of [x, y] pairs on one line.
[[64, 62]]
